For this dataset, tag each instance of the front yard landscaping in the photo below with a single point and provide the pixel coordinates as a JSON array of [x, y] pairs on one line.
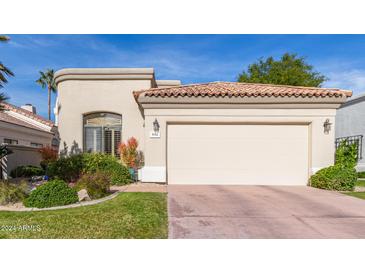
[[68, 180], [128, 216]]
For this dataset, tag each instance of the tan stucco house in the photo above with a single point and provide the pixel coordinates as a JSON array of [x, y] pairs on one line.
[[24, 132], [212, 133]]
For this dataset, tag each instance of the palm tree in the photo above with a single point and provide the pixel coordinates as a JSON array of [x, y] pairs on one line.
[[4, 71], [47, 81]]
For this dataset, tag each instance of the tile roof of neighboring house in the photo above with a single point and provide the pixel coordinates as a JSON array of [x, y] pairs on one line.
[[5, 117], [235, 89], [28, 114], [10, 119], [354, 100]]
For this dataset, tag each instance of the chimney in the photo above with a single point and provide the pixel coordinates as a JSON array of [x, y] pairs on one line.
[[30, 108]]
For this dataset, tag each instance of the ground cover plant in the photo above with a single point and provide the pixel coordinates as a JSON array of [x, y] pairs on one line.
[[11, 193], [50, 194]]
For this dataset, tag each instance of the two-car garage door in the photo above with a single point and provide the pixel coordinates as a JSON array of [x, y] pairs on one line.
[[244, 154]]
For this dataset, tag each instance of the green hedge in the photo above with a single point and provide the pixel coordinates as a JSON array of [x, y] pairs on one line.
[[72, 167], [52, 193], [66, 168], [26, 171], [118, 173], [335, 178], [342, 176], [346, 154]]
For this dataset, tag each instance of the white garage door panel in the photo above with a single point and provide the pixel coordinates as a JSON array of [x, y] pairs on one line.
[[238, 154]]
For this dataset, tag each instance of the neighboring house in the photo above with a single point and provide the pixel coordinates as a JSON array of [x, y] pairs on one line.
[[24, 132], [213, 133], [350, 124]]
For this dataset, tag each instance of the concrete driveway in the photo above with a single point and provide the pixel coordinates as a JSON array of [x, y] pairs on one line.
[[263, 212]]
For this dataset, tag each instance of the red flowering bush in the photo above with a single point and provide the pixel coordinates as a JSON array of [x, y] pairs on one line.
[[129, 154], [48, 155]]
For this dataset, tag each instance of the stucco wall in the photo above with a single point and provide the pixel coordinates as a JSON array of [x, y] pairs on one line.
[[22, 155], [78, 97], [321, 152], [350, 120]]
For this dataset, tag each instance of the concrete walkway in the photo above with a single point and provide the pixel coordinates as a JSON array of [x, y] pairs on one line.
[[141, 187], [263, 212]]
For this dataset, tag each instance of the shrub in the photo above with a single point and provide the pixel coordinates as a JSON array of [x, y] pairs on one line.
[[66, 168], [13, 193], [72, 167], [53, 193], [26, 171], [346, 155], [48, 155], [129, 153], [97, 184], [335, 178], [118, 173]]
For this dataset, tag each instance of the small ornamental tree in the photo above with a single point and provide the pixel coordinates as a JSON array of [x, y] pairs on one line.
[[129, 153], [48, 155]]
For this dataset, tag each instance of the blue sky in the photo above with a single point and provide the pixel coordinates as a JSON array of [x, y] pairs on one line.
[[190, 58]]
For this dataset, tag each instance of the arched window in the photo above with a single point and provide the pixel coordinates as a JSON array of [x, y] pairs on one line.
[[102, 132]]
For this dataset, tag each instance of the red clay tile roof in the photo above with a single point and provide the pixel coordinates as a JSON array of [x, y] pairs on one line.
[[234, 89], [27, 113], [15, 121]]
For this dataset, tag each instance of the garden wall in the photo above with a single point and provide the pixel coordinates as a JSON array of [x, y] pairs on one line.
[[22, 155]]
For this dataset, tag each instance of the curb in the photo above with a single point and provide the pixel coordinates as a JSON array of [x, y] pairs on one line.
[[79, 204]]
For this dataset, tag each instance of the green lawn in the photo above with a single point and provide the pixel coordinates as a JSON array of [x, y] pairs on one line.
[[360, 195], [129, 215], [360, 183]]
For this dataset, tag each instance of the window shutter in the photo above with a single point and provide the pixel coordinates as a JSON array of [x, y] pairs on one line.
[[93, 139], [117, 139]]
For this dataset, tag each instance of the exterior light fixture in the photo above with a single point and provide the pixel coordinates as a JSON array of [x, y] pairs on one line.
[[327, 126], [156, 126]]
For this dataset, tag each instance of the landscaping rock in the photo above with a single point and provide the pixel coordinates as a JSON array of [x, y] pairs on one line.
[[83, 195], [359, 189], [37, 178]]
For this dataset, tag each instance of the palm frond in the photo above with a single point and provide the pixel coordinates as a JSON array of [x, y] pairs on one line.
[[4, 71], [4, 38], [46, 80], [3, 98]]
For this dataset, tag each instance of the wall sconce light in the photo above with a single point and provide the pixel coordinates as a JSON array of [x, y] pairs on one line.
[[327, 126], [156, 126]]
